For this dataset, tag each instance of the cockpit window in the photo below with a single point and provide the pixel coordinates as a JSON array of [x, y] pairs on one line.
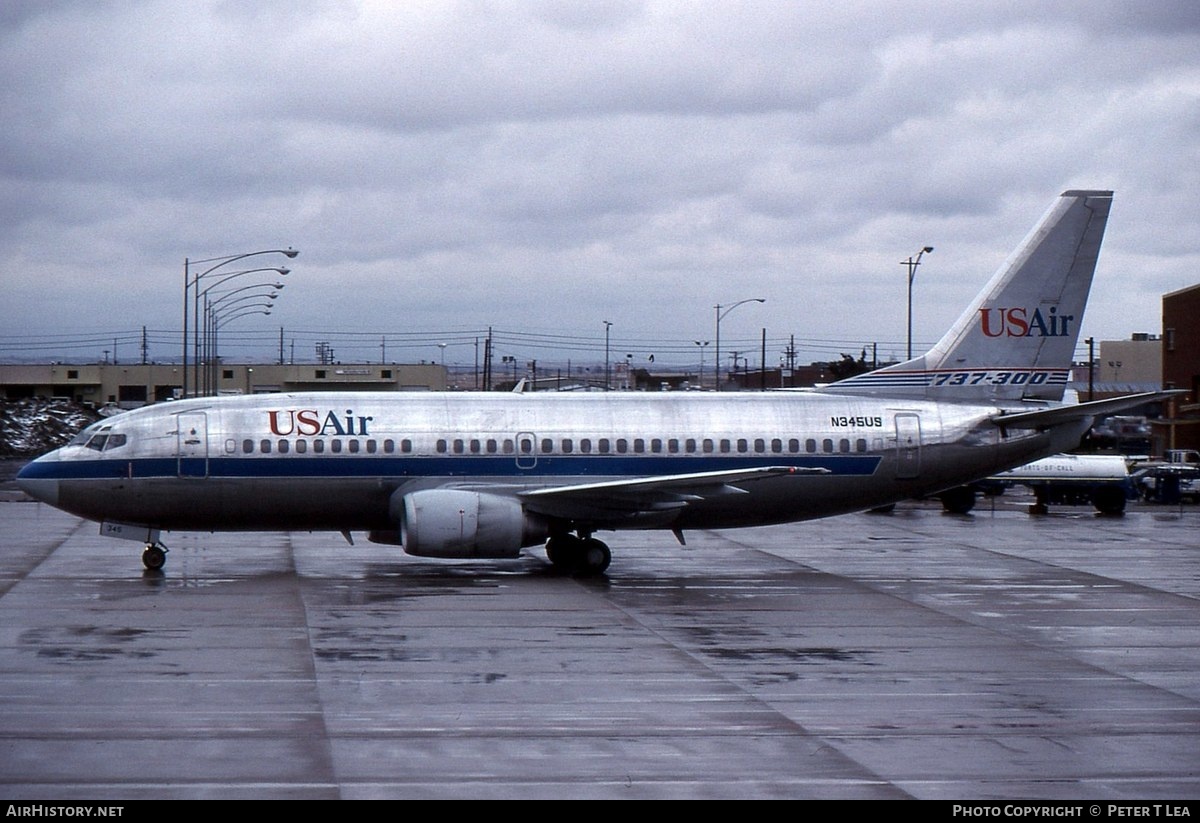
[[86, 434], [101, 439]]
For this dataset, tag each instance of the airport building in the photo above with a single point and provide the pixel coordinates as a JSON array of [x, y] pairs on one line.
[[138, 384], [1181, 367], [1130, 366]]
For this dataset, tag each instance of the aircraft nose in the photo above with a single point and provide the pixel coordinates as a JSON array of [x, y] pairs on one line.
[[36, 481]]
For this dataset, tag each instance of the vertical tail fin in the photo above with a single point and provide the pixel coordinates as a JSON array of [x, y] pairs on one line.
[[1017, 338]]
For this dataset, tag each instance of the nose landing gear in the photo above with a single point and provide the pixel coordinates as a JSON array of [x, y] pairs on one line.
[[155, 556]]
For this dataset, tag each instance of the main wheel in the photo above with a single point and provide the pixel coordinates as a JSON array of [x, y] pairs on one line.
[[958, 501], [595, 557], [564, 552]]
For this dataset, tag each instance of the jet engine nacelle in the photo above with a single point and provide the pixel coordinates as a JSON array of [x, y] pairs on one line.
[[455, 523]]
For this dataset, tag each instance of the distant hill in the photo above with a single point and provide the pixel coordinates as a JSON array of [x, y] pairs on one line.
[[30, 427]]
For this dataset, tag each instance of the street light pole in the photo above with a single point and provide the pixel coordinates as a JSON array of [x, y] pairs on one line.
[[607, 327], [912, 262], [721, 314], [217, 322], [199, 293], [224, 305], [192, 284], [700, 379]]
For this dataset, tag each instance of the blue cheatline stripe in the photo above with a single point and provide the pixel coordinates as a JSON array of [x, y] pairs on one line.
[[499, 466]]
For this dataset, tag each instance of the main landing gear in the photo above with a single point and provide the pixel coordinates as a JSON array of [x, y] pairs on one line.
[[585, 555], [155, 556]]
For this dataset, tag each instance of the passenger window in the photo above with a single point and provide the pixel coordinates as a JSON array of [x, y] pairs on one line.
[[639, 445], [389, 446], [844, 446], [742, 445], [372, 447], [708, 446], [508, 446], [247, 446], [622, 445], [691, 445], [230, 446], [283, 447], [656, 446], [353, 444], [673, 446], [492, 446], [319, 446], [335, 446], [567, 446], [602, 445], [301, 446], [458, 446], [475, 446], [760, 445], [547, 445], [406, 446], [585, 446], [810, 446], [265, 447], [777, 446], [860, 444], [827, 446], [725, 446], [441, 447]]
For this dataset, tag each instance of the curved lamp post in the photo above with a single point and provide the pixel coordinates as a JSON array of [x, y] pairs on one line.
[[222, 278], [219, 321], [190, 283], [226, 305], [226, 302], [912, 262], [721, 314], [702, 345]]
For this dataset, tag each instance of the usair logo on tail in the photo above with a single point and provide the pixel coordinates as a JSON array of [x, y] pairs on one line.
[[1019, 322]]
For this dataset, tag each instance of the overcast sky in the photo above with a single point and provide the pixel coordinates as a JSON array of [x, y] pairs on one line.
[[542, 167]]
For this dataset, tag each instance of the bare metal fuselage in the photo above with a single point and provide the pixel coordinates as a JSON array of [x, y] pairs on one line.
[[336, 461]]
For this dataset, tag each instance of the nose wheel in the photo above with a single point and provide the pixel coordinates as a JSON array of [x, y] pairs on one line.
[[154, 557]]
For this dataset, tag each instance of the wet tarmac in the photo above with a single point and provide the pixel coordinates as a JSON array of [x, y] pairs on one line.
[[995, 655]]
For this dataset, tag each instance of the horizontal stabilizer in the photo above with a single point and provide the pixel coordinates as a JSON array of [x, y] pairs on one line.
[[1057, 415]]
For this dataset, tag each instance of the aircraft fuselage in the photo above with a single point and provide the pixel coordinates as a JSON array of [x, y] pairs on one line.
[[336, 460]]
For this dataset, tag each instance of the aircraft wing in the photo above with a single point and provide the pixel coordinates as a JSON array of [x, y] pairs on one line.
[[648, 495], [1056, 415]]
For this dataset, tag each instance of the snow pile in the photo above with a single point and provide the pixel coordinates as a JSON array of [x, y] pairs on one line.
[[33, 426]]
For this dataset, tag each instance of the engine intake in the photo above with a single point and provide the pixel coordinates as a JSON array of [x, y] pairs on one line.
[[453, 523]]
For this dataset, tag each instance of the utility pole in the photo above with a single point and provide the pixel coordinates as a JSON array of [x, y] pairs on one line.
[[762, 362], [1091, 341], [487, 361]]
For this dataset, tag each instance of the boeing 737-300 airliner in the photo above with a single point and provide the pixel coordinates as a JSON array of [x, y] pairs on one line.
[[473, 475]]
